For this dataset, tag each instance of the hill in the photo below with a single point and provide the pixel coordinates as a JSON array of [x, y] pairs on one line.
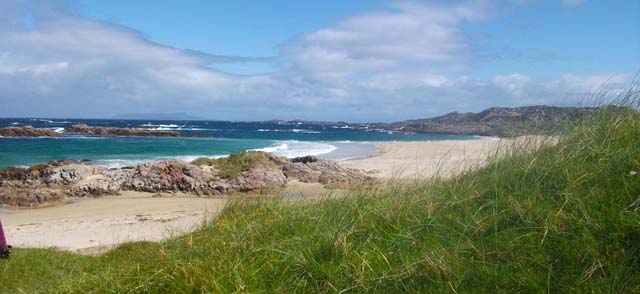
[[497, 121]]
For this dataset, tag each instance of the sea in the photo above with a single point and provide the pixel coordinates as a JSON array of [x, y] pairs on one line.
[[224, 137]]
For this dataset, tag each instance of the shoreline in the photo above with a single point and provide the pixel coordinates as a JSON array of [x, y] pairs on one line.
[[423, 159]]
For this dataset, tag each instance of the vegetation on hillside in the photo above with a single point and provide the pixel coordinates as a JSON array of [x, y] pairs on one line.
[[561, 218]]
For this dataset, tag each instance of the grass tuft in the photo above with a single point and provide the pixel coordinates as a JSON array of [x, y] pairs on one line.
[[231, 166]]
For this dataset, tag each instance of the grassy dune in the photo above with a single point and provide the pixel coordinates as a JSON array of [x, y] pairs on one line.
[[231, 166], [563, 217]]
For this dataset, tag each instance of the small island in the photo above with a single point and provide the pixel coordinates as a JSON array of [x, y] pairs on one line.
[[83, 129]]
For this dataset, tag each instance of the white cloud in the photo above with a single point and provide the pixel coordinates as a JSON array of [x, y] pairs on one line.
[[408, 35], [592, 83], [407, 61]]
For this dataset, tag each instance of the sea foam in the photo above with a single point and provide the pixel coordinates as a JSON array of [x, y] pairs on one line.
[[294, 148]]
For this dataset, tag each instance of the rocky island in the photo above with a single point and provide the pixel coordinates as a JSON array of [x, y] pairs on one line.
[[27, 131], [123, 132]]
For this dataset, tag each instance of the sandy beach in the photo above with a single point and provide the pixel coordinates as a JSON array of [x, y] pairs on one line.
[[99, 223], [96, 224], [425, 159]]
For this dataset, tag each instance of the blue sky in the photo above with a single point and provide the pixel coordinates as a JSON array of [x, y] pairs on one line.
[[329, 60]]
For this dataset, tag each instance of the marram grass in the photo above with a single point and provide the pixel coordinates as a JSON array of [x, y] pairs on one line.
[[564, 217]]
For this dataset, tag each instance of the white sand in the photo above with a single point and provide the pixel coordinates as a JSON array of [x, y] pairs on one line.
[[100, 223], [425, 159]]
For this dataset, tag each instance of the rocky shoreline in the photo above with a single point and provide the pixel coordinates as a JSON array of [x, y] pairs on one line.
[[123, 132], [27, 131], [57, 181], [83, 129]]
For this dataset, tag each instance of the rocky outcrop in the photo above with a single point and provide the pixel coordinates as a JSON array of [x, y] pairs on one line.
[[123, 132], [311, 169], [30, 196], [58, 180], [258, 179], [27, 131]]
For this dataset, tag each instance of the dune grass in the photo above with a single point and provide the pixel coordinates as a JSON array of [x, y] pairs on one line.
[[563, 217], [229, 167]]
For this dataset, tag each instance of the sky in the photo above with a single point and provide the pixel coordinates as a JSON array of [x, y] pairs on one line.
[[359, 61]]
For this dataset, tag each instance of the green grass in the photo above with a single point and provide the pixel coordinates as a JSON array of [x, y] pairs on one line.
[[560, 218], [229, 167]]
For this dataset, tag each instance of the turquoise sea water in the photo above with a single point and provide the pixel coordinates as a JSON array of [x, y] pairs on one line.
[[291, 140]]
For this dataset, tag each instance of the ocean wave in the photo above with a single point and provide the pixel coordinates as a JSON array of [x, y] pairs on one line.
[[57, 130], [190, 158], [150, 125], [293, 148], [300, 131], [289, 149], [305, 131], [176, 129], [485, 137], [14, 123], [120, 163]]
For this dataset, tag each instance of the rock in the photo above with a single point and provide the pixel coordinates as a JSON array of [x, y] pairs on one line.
[[27, 196], [168, 175], [71, 173], [301, 172], [96, 186], [325, 172], [27, 131], [278, 160], [259, 179], [306, 159], [123, 132], [53, 182], [220, 187]]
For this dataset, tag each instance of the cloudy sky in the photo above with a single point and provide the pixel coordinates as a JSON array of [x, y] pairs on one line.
[[320, 60]]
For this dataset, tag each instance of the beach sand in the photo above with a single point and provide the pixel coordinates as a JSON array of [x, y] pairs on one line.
[[425, 159], [95, 225]]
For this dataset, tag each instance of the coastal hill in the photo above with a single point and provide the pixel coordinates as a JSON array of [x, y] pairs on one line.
[[496, 121]]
